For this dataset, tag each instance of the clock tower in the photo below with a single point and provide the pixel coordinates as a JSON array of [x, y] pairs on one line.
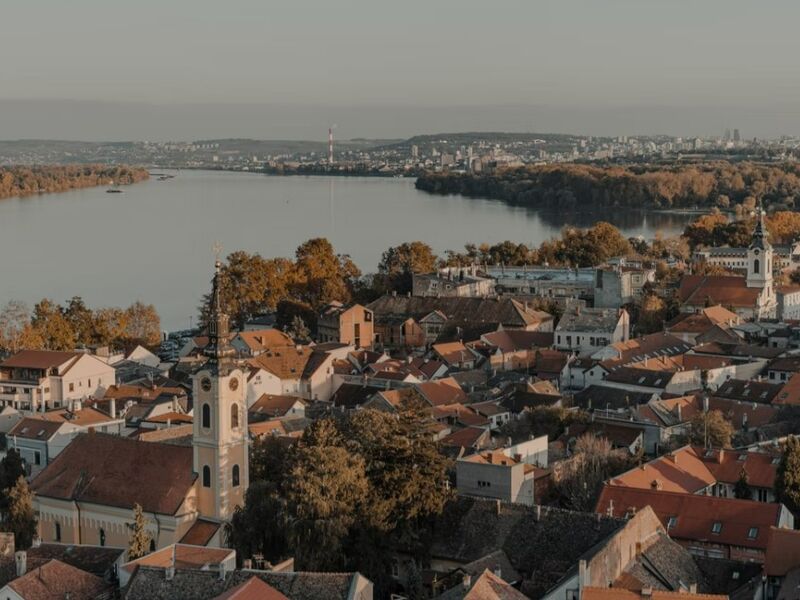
[[759, 256], [219, 438]]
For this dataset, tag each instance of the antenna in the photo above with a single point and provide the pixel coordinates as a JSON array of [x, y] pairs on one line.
[[330, 143]]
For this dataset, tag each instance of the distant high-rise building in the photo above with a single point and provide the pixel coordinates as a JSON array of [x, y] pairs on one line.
[[727, 135], [736, 136], [415, 151]]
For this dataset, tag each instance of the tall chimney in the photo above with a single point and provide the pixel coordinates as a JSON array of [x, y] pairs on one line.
[[21, 560], [112, 408]]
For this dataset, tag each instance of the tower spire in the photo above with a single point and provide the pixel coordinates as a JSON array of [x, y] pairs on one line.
[[218, 348], [760, 233]]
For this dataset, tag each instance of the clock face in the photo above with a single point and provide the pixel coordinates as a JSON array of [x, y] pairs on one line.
[[205, 384], [233, 384], [756, 252]]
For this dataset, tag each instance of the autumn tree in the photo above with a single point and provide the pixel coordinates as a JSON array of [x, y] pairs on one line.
[[21, 518], [399, 263], [81, 320], [321, 276], [50, 323], [142, 324], [711, 429], [139, 542], [298, 330], [787, 477], [652, 314]]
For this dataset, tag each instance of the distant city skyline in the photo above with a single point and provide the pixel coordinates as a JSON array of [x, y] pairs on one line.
[[185, 70]]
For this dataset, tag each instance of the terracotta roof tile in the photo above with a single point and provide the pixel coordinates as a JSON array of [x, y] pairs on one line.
[[200, 533], [252, 589], [742, 523], [115, 471], [56, 580], [38, 359]]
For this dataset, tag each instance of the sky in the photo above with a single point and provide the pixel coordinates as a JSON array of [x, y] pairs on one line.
[[191, 69]]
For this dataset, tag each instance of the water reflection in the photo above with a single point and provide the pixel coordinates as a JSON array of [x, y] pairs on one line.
[[153, 242]]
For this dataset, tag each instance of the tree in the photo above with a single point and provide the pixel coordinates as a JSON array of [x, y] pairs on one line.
[[742, 488], [14, 320], [52, 326], [298, 330], [320, 276], [787, 477], [583, 475], [652, 314], [325, 493], [81, 320], [20, 518], [399, 263], [142, 324], [711, 429], [139, 542]]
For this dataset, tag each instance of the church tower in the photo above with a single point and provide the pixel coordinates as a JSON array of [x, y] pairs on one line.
[[759, 256], [219, 438]]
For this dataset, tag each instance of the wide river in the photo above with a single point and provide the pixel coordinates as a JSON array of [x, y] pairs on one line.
[[154, 242]]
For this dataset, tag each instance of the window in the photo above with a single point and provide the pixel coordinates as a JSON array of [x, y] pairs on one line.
[[89, 384], [484, 484], [102, 537], [206, 416], [752, 533], [716, 528], [71, 387], [37, 458], [206, 476], [58, 532], [756, 266], [152, 545], [672, 522], [763, 496], [235, 476], [234, 416]]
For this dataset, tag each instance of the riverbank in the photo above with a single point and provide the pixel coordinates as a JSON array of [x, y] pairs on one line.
[[23, 181]]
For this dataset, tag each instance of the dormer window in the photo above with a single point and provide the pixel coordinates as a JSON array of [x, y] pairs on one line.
[[752, 533], [672, 522], [716, 528]]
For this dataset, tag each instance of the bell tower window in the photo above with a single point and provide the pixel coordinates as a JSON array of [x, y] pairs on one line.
[[235, 476], [234, 416], [756, 266], [206, 416], [206, 476]]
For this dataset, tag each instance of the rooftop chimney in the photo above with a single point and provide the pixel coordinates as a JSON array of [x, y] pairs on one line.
[[498, 572], [498, 506], [112, 408], [466, 582], [21, 560]]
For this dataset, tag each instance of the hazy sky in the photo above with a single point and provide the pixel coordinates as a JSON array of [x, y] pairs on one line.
[[396, 68]]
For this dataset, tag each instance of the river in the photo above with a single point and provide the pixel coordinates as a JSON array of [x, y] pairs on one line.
[[154, 242]]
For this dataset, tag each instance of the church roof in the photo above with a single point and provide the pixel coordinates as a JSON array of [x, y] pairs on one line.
[[727, 290], [115, 471]]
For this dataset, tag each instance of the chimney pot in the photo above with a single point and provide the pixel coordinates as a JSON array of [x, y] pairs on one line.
[[21, 560]]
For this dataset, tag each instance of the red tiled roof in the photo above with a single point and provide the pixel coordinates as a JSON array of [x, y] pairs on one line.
[[252, 589], [727, 290], [38, 359], [273, 405], [35, 428], [464, 438], [442, 391], [615, 593], [783, 551], [56, 580], [696, 515], [200, 533], [116, 471]]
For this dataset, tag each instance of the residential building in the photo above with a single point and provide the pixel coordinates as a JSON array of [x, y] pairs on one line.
[[707, 526], [348, 324], [584, 330], [36, 380]]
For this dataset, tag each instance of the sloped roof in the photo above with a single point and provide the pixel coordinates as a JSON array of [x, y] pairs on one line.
[[486, 586], [273, 405], [696, 515], [644, 347], [442, 391], [116, 471], [614, 593], [56, 580], [783, 551], [39, 359], [505, 311], [351, 395], [602, 320], [749, 390], [200, 533], [512, 340], [285, 363], [35, 428], [98, 560], [252, 589], [728, 290], [537, 547], [149, 583]]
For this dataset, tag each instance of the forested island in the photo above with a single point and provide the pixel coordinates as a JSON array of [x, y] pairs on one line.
[[722, 184], [27, 180]]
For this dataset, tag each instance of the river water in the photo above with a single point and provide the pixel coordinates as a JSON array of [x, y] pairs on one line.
[[154, 242]]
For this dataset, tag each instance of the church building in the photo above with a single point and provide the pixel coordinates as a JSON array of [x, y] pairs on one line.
[[750, 297], [87, 494]]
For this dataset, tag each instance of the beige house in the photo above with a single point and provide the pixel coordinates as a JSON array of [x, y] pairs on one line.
[[351, 324], [36, 380]]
